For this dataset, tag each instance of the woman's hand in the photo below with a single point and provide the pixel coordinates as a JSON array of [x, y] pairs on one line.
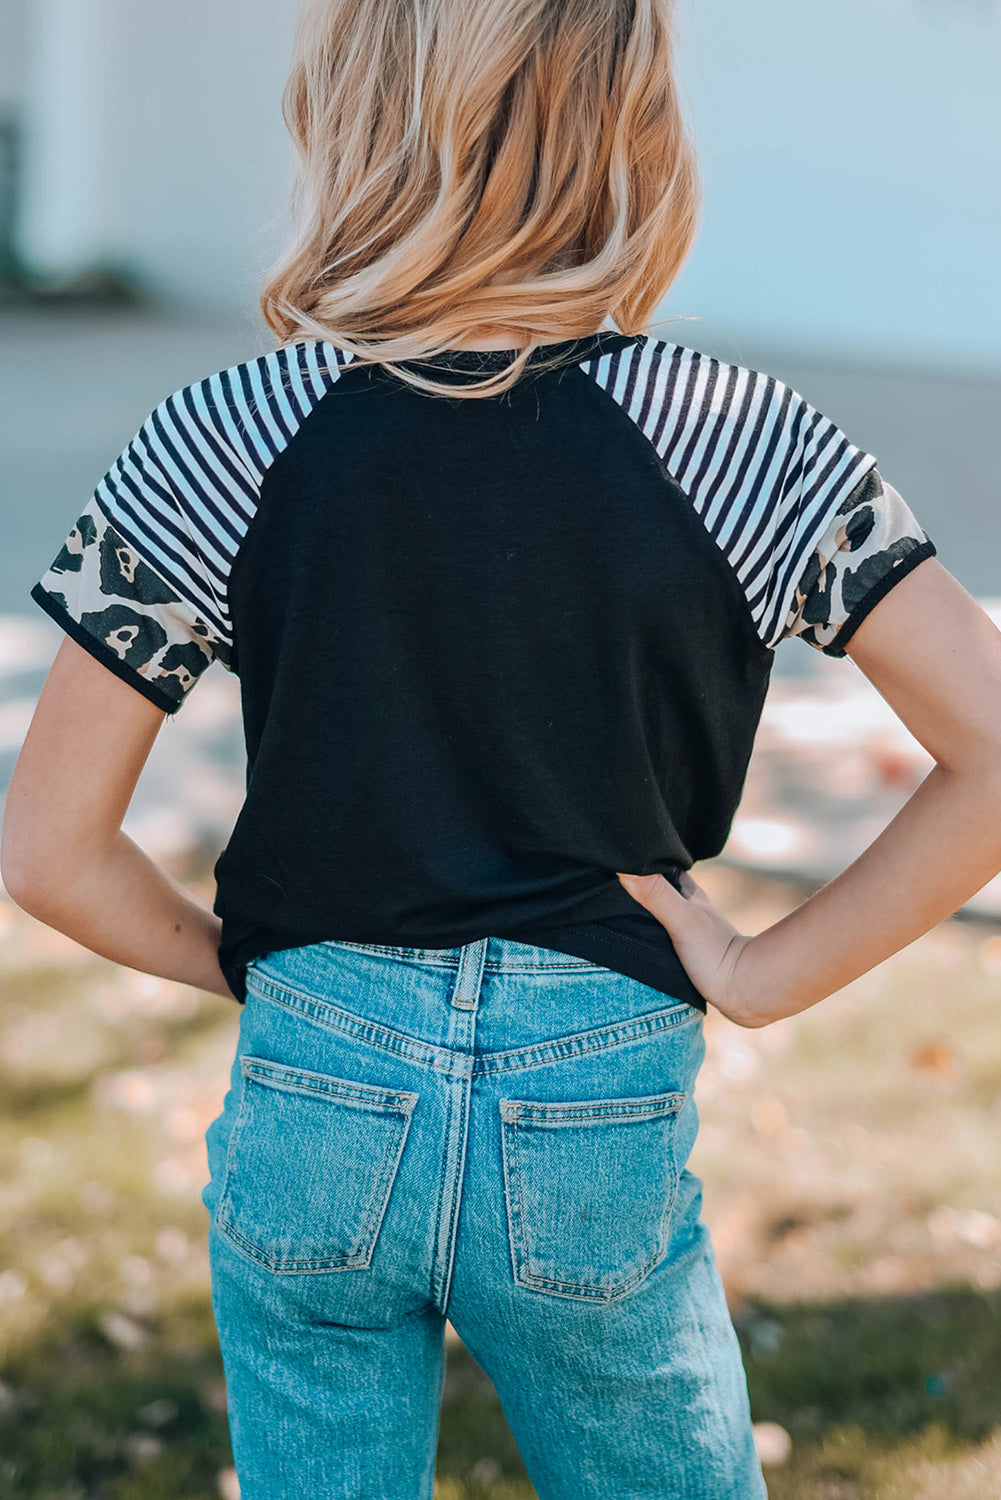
[[708, 945]]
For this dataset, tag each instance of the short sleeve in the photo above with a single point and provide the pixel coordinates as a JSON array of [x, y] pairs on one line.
[[870, 543], [800, 469], [131, 584]]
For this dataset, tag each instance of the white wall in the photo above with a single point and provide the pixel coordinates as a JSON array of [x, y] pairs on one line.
[[211, 159], [155, 140], [851, 154], [852, 162], [13, 15], [73, 206]]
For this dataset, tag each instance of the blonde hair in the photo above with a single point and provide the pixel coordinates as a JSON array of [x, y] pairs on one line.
[[467, 167]]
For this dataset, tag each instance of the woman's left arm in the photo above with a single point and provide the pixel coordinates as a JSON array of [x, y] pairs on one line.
[[935, 655], [63, 855]]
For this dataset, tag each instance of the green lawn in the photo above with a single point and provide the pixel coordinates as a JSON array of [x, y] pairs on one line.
[[850, 1160]]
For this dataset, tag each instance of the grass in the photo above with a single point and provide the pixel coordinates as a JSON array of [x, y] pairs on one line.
[[849, 1161]]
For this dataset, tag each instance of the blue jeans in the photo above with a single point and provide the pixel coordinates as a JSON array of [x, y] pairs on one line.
[[497, 1134]]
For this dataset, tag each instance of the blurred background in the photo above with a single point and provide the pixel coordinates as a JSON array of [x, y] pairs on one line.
[[850, 241]]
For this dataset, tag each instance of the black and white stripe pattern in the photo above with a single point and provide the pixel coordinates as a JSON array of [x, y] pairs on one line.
[[185, 489], [764, 470], [143, 577]]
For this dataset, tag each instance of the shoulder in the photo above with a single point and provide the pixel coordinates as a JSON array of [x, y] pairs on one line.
[[761, 466], [183, 491], [657, 380], [727, 431], [230, 425]]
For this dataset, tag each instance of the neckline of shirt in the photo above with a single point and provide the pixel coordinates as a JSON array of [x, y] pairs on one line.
[[588, 346], [591, 345]]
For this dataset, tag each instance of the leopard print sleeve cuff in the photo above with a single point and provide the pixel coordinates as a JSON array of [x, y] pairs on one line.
[[105, 594], [136, 581], [872, 541]]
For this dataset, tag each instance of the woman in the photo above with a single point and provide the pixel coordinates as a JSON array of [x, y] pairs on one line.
[[501, 575]]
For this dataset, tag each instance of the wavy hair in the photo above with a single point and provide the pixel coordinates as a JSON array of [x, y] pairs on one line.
[[474, 167]]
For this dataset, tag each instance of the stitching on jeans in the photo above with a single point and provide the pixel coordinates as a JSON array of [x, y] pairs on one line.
[[293, 1080], [368, 1232], [578, 1045], [578, 1291], [343, 1262], [512, 1210], [649, 1107], [325, 1013], [432, 1289], [243, 1110], [536, 1055], [456, 1207]]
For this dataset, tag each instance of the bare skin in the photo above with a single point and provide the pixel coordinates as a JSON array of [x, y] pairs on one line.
[[928, 648], [935, 656], [64, 857]]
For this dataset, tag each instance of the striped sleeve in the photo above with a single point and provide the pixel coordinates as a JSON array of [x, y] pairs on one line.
[[141, 580], [817, 468], [765, 471], [132, 583]]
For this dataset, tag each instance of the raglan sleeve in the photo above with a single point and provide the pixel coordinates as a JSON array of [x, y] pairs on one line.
[[135, 581], [841, 539]]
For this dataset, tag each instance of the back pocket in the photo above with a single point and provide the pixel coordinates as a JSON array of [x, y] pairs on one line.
[[310, 1166], [590, 1187]]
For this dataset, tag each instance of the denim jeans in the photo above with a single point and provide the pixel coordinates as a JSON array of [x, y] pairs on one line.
[[496, 1134]]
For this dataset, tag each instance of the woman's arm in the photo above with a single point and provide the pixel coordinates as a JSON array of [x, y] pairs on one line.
[[935, 656], [63, 855]]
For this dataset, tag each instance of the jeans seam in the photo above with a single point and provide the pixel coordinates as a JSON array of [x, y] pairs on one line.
[[238, 1124], [397, 1043], [647, 1107], [581, 1043], [430, 1054], [390, 1101]]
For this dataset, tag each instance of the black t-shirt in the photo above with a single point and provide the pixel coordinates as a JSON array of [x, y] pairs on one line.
[[490, 651]]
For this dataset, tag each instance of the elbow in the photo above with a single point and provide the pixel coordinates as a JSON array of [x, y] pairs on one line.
[[42, 866], [26, 877], [20, 881]]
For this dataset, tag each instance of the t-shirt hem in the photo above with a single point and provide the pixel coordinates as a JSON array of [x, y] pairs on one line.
[[660, 968], [599, 942]]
